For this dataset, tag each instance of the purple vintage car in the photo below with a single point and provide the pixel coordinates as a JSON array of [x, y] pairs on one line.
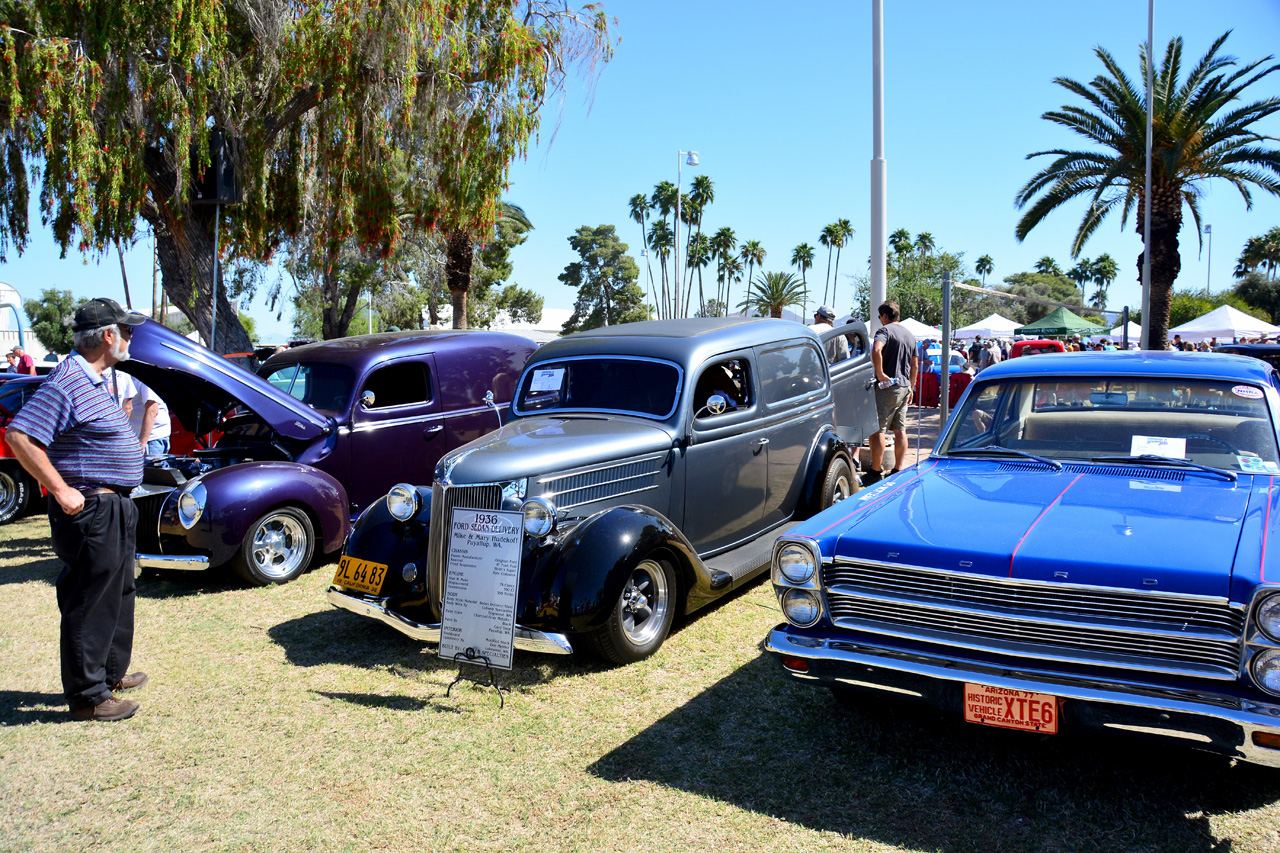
[[324, 430]]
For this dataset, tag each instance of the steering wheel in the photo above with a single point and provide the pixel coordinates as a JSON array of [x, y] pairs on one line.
[[1204, 436]]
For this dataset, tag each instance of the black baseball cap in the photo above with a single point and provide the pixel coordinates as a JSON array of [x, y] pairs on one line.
[[100, 312]]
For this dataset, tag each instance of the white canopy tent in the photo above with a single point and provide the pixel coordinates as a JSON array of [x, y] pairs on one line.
[[994, 326], [1223, 323], [1117, 334], [920, 330]]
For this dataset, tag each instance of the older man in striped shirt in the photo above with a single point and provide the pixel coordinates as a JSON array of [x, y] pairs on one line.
[[73, 437]]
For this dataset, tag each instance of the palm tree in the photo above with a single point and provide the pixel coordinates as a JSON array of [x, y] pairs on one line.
[[701, 194], [752, 253], [924, 243], [1259, 251], [900, 241], [732, 275], [1048, 266], [772, 292], [640, 215], [700, 254], [1104, 272], [846, 234], [829, 237], [661, 240], [1080, 273], [663, 200], [725, 243], [984, 267], [1192, 143], [802, 258]]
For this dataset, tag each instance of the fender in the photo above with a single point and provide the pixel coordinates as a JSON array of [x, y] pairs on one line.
[[379, 538], [828, 446], [239, 494]]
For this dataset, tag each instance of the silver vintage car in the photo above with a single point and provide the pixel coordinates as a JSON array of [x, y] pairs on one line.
[[655, 464]]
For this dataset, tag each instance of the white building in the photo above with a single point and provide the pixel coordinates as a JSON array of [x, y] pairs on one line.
[[15, 328]]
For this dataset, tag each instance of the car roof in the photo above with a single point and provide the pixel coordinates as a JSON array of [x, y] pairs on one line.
[[1132, 363], [685, 341], [359, 351]]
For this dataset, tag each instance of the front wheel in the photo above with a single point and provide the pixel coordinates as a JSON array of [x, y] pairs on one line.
[[277, 548], [642, 615], [15, 493]]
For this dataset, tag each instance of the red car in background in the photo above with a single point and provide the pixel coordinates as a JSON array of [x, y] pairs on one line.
[[1038, 347]]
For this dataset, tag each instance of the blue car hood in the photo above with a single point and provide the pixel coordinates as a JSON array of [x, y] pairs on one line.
[[1163, 533]]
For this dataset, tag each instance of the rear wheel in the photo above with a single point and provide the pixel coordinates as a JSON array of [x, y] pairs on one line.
[[277, 548], [839, 483], [642, 615], [15, 493]]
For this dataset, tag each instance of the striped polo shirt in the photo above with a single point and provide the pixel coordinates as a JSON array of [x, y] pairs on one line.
[[84, 431]]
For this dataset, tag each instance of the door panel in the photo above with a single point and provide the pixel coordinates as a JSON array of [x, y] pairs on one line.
[[401, 437], [850, 380]]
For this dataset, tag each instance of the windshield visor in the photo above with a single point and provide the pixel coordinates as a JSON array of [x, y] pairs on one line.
[[1218, 424], [630, 386]]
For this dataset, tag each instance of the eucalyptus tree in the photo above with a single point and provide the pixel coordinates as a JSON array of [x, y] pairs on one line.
[[771, 292], [751, 253], [845, 229], [984, 267], [1201, 130], [802, 259]]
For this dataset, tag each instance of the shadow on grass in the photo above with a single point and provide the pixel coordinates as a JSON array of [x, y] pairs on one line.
[[20, 708], [45, 568], [915, 778]]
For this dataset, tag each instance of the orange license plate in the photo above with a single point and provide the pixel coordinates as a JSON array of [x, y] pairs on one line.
[[360, 574], [1011, 709]]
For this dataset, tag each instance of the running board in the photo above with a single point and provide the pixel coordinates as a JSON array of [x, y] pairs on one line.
[[745, 560]]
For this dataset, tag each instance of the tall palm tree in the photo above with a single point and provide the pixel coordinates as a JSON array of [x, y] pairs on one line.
[[1104, 271], [725, 243], [661, 241], [802, 258], [924, 243], [1252, 256], [640, 215], [829, 237], [732, 275], [663, 200], [1048, 266], [1200, 131], [900, 241], [752, 253], [984, 267], [1080, 273], [701, 194], [772, 292], [700, 254], [846, 234]]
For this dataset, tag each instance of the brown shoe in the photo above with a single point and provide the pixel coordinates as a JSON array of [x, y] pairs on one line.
[[107, 710], [132, 681]]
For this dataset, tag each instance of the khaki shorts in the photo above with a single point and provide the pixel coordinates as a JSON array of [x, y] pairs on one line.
[[891, 407]]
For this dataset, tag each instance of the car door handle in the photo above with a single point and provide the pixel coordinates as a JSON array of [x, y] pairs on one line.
[[430, 432], [758, 445]]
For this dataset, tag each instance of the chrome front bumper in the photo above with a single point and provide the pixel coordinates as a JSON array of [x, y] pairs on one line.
[[1199, 719], [527, 640], [182, 562]]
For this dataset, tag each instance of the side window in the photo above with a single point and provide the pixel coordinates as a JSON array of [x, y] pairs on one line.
[[729, 378], [401, 384], [792, 371]]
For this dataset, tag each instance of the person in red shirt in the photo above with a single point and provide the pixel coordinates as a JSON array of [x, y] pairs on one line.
[[25, 363]]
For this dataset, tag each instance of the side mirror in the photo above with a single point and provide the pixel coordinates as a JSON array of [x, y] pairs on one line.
[[488, 398], [717, 404], [367, 399]]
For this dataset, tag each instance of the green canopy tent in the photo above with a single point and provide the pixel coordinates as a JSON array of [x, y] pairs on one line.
[[1059, 324]]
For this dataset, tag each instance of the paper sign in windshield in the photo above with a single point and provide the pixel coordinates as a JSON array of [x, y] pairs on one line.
[[547, 380], [480, 585], [1247, 391], [1159, 445]]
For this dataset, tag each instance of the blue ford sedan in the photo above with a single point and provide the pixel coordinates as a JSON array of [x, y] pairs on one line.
[[1093, 545]]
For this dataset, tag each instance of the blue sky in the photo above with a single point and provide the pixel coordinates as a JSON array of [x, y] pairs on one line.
[[776, 98]]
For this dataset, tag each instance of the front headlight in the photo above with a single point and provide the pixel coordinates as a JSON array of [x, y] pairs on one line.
[[801, 607], [539, 517], [1269, 616], [796, 563], [191, 505], [403, 502], [1266, 671]]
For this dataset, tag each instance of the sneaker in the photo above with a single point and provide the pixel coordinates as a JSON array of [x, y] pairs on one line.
[[107, 710], [132, 681], [871, 477]]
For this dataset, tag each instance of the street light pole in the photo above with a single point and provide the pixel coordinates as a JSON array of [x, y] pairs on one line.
[[675, 250], [1208, 267]]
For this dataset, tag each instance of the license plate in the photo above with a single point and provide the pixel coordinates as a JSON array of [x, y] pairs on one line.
[[360, 574], [1011, 709]]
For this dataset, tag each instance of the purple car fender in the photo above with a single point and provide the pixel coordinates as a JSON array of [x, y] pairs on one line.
[[238, 495]]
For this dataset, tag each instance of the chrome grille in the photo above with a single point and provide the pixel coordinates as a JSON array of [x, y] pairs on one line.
[[444, 499], [148, 531], [575, 489], [1157, 632]]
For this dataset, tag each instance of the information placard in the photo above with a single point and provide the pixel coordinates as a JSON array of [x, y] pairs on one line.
[[480, 585]]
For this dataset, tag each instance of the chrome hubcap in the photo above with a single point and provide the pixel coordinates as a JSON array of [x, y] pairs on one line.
[[842, 491], [645, 600], [279, 545], [8, 493]]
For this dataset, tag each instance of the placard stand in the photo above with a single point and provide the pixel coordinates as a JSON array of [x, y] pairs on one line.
[[470, 655]]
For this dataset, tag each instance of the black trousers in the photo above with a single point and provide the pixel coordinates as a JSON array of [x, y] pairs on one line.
[[95, 594]]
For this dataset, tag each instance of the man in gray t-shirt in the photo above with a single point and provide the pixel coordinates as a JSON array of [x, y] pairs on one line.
[[893, 354]]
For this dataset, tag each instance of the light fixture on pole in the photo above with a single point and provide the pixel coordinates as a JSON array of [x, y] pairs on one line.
[[675, 249]]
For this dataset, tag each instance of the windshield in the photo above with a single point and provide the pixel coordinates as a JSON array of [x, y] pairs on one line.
[[320, 386], [612, 383], [1219, 424]]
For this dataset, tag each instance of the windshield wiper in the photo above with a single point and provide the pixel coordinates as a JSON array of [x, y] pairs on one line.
[[1153, 459], [998, 450]]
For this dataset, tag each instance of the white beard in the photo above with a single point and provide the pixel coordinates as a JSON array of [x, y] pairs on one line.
[[120, 350]]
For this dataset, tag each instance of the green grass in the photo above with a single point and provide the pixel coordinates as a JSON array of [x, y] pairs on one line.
[[275, 722]]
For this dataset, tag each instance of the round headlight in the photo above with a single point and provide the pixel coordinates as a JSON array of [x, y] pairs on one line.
[[191, 505], [403, 502], [409, 573], [1266, 671], [539, 517], [1269, 616], [796, 564], [801, 607]]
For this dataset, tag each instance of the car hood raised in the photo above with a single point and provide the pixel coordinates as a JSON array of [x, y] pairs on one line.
[[528, 447], [196, 384], [1095, 527]]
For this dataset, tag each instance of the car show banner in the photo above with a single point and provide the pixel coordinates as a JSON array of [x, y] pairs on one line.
[[479, 613]]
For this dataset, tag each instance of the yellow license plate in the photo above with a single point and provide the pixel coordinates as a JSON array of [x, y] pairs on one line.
[[359, 574], [1011, 709]]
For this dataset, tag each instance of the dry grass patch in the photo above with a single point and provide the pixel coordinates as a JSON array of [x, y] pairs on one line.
[[274, 722]]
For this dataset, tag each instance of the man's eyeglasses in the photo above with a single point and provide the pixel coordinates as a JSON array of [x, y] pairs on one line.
[[126, 332]]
